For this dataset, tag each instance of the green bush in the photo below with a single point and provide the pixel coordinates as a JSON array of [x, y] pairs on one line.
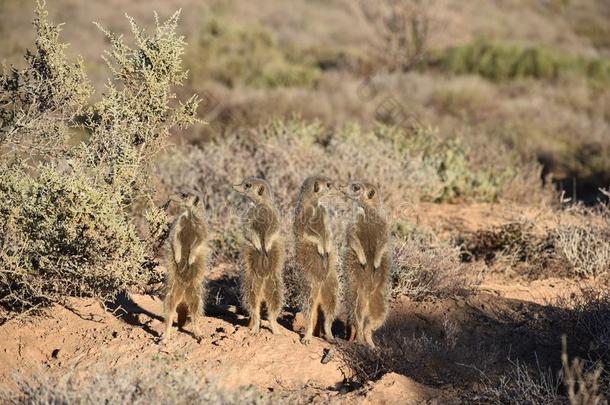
[[248, 55], [67, 201], [497, 61]]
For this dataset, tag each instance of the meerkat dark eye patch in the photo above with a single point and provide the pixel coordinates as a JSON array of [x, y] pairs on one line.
[[261, 190], [356, 187], [328, 184], [316, 186], [247, 185], [371, 194]]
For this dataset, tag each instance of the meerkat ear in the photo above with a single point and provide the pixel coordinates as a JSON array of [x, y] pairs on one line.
[[371, 193], [261, 190], [316, 186], [197, 199]]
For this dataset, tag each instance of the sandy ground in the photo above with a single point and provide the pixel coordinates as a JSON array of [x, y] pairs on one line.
[[85, 334]]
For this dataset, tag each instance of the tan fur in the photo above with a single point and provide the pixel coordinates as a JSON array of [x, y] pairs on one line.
[[262, 255], [186, 266], [366, 263], [316, 256]]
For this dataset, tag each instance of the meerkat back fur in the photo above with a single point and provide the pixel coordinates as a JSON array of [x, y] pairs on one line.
[[262, 255], [316, 255], [186, 265], [366, 263]]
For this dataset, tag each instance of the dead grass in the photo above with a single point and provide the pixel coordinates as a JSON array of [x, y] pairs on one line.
[[138, 384], [428, 270]]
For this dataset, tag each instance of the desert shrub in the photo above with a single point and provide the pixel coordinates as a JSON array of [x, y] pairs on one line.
[[403, 350], [423, 270], [586, 248], [75, 173], [248, 55], [522, 385], [402, 30], [516, 246], [497, 61], [155, 383], [514, 238], [457, 178]]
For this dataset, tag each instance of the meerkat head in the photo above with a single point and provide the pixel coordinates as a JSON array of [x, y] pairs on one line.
[[187, 198], [257, 190], [363, 193], [316, 187]]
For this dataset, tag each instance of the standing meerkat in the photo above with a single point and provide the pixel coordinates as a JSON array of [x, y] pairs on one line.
[[366, 263], [315, 255], [186, 264], [262, 255]]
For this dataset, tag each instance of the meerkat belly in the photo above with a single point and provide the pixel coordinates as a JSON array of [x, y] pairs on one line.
[[261, 264], [187, 236]]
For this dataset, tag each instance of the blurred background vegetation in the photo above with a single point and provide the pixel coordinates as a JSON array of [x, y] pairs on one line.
[[527, 78]]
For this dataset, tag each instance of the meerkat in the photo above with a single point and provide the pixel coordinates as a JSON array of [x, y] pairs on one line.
[[186, 264], [316, 256], [262, 255], [366, 263]]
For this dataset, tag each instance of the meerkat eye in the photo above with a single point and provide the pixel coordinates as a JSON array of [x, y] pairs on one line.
[[316, 187], [328, 184], [247, 185], [356, 187]]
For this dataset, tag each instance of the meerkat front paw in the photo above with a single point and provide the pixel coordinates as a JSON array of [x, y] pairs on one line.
[[320, 249], [306, 340], [275, 328], [255, 326]]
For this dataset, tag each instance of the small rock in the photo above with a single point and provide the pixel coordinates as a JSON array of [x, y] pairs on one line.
[[327, 356]]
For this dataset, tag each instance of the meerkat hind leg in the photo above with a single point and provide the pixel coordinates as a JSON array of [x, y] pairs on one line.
[[368, 334], [328, 305], [255, 315], [175, 297], [361, 312], [195, 294], [273, 301], [312, 318]]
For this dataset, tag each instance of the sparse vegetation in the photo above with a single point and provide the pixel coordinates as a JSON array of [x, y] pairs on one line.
[[429, 270], [134, 385], [464, 123]]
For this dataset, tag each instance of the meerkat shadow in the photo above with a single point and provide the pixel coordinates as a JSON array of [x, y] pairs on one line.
[[126, 309], [223, 300]]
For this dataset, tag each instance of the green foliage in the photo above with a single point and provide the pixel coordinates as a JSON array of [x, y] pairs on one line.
[[248, 55], [445, 164], [457, 178], [63, 237], [67, 207], [498, 61]]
